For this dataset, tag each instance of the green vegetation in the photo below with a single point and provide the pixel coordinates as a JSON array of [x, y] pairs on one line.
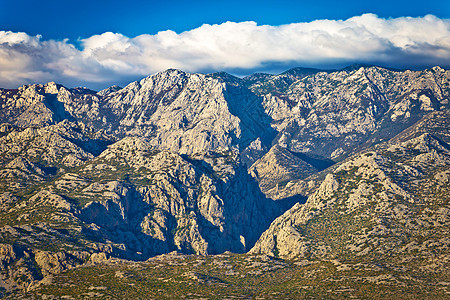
[[241, 277]]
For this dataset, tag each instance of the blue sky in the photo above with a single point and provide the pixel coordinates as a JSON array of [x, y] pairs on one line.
[[83, 18], [98, 43]]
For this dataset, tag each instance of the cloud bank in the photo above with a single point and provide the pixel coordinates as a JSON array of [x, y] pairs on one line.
[[240, 48]]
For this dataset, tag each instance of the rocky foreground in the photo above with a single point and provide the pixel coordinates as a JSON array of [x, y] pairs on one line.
[[310, 183]]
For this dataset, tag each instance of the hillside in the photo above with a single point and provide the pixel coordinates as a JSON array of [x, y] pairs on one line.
[[340, 173]]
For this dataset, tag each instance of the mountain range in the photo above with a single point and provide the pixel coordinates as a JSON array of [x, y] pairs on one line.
[[305, 170]]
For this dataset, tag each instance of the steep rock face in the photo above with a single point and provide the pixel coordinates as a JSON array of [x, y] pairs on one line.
[[435, 123], [25, 106], [379, 205], [277, 167], [13, 268], [197, 204], [176, 177], [42, 144], [39, 105], [329, 113], [135, 201], [33, 155], [315, 112], [186, 113], [22, 268]]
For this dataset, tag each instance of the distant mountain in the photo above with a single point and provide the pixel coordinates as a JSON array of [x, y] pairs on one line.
[[348, 165]]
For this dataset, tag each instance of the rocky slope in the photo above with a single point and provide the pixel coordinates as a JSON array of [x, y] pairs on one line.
[[135, 202], [387, 204], [202, 164], [280, 167], [182, 112], [331, 113]]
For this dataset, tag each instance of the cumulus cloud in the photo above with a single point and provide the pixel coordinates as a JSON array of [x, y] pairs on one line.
[[237, 47]]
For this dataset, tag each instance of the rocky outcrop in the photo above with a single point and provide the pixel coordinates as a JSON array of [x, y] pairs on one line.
[[204, 205], [25, 268], [134, 201], [377, 204], [332, 113], [312, 111], [203, 164], [279, 166]]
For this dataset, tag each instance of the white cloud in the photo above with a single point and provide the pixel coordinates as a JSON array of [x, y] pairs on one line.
[[114, 58]]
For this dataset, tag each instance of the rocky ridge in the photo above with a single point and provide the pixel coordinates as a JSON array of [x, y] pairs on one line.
[[202, 164], [388, 203]]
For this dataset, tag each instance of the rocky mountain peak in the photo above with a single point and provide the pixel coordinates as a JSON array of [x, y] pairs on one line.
[[325, 168], [109, 90], [51, 88]]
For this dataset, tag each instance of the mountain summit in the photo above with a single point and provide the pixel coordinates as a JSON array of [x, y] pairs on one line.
[[344, 168]]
